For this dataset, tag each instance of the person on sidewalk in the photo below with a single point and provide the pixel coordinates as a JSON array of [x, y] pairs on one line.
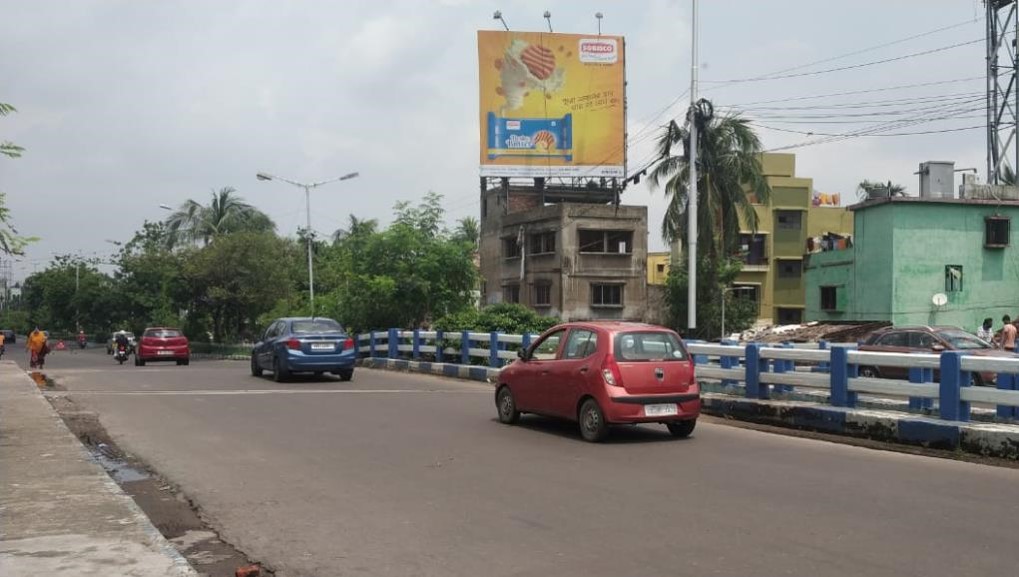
[[986, 330], [37, 348], [1008, 333]]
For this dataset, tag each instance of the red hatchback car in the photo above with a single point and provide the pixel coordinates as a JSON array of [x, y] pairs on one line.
[[601, 374], [162, 344]]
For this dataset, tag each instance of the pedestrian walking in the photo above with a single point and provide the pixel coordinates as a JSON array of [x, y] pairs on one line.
[[1008, 333], [986, 330], [37, 348]]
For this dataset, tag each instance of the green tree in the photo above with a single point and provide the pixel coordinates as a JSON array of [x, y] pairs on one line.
[[69, 293], [713, 276], [356, 226], [509, 318], [406, 275], [468, 230], [226, 213], [236, 279], [150, 285], [10, 241], [874, 189], [728, 171]]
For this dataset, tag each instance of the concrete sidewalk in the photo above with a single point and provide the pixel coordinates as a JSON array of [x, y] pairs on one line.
[[60, 513]]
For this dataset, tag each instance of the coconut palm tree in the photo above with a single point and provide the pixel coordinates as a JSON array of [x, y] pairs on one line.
[[356, 227], [874, 189], [226, 213], [728, 172], [468, 229]]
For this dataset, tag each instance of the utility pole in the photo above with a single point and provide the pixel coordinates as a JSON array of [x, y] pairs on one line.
[[1002, 18], [691, 204]]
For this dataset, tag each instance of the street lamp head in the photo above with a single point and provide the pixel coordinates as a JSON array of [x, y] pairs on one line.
[[349, 176], [263, 176], [166, 207]]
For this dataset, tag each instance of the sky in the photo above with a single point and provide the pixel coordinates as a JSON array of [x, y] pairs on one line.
[[124, 105]]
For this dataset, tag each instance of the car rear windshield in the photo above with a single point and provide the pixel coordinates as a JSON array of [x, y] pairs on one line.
[[649, 346], [961, 340], [162, 333], [317, 326]]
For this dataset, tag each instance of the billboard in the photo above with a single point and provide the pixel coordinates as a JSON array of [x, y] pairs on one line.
[[552, 105]]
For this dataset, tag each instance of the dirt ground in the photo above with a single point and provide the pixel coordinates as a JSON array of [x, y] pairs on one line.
[[176, 516]]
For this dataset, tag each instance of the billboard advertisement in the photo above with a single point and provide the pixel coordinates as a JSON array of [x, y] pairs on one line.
[[552, 105]]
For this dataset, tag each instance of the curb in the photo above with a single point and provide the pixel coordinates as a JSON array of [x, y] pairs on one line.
[[986, 439]]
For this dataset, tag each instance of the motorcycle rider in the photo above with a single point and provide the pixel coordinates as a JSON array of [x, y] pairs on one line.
[[122, 342], [82, 339]]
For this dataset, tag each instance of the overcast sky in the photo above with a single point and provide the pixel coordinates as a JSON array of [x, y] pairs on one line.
[[125, 104]]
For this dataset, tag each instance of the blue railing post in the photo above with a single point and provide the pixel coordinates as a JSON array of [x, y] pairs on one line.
[[465, 347], [728, 362], [394, 343], [753, 373], [1007, 382], [371, 343], [953, 378], [823, 366], [841, 372], [438, 346], [920, 375], [783, 366], [493, 349], [525, 341], [415, 352]]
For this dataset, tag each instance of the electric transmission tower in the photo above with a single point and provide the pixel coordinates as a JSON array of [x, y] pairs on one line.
[[1002, 75]]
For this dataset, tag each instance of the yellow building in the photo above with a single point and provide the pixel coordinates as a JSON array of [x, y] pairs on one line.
[[797, 221]]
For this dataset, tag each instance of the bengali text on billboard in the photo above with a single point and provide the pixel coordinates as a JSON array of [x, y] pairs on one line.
[[552, 105]]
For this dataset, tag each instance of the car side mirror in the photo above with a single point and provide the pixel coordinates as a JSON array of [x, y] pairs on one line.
[[938, 348], [522, 355]]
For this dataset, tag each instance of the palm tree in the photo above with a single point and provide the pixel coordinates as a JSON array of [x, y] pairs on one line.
[[728, 172], [873, 189], [226, 213], [356, 227], [468, 230]]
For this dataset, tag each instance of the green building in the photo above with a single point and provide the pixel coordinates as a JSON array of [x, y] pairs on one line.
[[923, 261]]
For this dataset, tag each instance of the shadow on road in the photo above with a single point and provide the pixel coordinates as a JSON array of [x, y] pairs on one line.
[[618, 435]]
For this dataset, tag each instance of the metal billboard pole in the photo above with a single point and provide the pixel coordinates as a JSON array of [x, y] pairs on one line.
[[691, 205]]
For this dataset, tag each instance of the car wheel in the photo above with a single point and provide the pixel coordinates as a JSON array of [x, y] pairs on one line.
[[279, 374], [187, 361], [593, 427], [346, 375], [139, 362], [681, 429], [256, 371], [869, 373], [318, 374], [507, 406]]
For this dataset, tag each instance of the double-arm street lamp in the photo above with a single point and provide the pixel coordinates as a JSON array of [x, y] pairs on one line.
[[307, 199]]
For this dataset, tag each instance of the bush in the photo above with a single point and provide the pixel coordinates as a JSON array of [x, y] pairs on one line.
[[505, 318]]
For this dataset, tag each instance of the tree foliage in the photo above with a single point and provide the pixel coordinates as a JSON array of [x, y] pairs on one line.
[[10, 240], [728, 170], [509, 318], [712, 277], [226, 213], [873, 189]]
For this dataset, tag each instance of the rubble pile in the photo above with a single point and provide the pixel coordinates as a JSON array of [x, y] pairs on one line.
[[812, 332]]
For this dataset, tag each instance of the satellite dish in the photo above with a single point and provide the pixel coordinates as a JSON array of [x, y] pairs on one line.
[[939, 299]]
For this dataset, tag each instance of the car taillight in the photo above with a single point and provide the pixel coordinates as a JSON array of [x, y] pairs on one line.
[[610, 373], [609, 378], [348, 344], [294, 345]]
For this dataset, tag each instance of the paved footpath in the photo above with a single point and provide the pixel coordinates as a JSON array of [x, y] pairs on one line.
[[60, 513]]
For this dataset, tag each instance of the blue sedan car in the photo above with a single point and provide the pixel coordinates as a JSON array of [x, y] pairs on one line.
[[304, 345]]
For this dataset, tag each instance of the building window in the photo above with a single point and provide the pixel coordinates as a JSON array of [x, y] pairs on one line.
[[511, 293], [753, 249], [607, 295], [790, 316], [790, 268], [953, 278], [606, 241], [789, 219], [660, 268], [751, 293], [829, 298], [996, 229], [543, 295], [542, 243], [510, 248]]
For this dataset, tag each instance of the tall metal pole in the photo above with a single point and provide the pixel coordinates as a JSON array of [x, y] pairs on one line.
[[77, 312], [691, 205], [311, 264]]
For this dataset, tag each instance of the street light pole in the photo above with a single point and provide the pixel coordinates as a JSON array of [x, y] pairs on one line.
[[307, 202]]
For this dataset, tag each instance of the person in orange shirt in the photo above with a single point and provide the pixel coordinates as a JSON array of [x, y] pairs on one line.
[[37, 349], [1008, 334], [2, 347]]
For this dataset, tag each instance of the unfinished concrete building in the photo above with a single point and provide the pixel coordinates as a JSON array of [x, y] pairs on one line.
[[563, 257]]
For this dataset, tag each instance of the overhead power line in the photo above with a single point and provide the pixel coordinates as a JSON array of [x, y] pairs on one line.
[[866, 91]]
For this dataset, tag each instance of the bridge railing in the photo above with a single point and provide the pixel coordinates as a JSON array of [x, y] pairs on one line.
[[943, 379]]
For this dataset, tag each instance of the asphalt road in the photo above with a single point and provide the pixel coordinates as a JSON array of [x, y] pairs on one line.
[[399, 474]]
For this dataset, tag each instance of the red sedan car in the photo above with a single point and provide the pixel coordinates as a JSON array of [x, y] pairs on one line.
[[162, 344], [603, 373]]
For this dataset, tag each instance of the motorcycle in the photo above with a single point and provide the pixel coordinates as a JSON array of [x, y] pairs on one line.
[[82, 342], [121, 355]]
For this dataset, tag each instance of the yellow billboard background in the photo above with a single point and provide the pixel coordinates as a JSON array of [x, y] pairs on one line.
[[551, 104]]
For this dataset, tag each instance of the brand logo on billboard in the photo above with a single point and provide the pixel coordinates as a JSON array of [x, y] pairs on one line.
[[598, 50], [512, 125]]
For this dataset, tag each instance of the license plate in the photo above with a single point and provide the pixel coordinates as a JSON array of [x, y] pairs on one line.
[[323, 346], [661, 410], [164, 352]]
